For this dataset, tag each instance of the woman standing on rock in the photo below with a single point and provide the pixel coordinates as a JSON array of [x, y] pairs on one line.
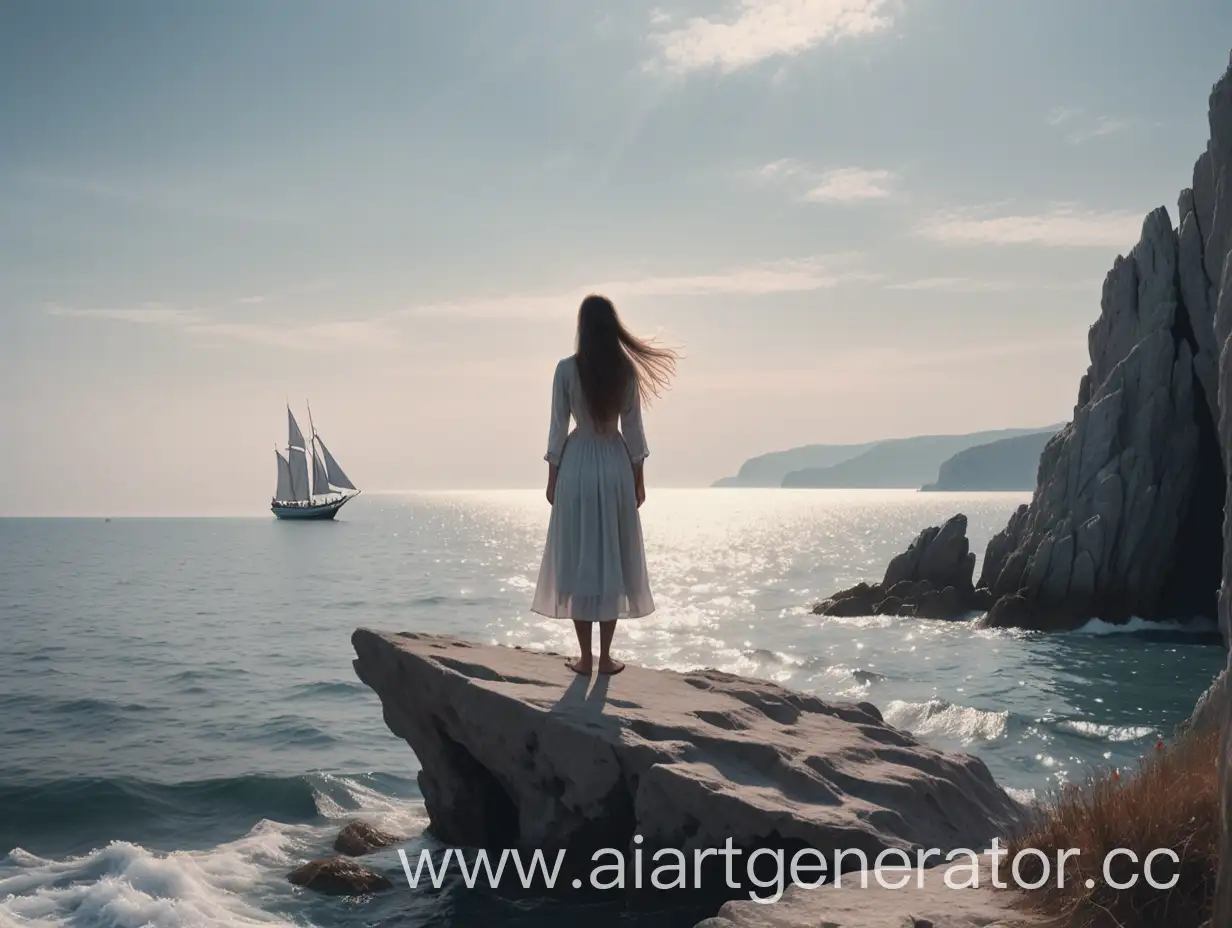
[[594, 564]]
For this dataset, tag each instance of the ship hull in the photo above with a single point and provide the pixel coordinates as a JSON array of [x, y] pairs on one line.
[[316, 513]]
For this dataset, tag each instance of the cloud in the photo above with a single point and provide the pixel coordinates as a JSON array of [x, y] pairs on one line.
[[836, 185], [1084, 128], [756, 30], [1061, 226], [784, 168], [147, 314], [335, 335], [1102, 126], [184, 198], [286, 293], [821, 272], [1060, 115], [311, 336], [846, 372], [849, 185], [990, 285], [955, 285], [788, 276]]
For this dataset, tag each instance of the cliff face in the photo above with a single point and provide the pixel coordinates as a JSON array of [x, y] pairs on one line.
[[1219, 156], [1127, 515]]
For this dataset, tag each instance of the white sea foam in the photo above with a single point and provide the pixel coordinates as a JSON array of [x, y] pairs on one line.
[[1098, 732], [1024, 797], [126, 886], [861, 621], [1137, 625], [397, 816], [232, 885], [938, 717]]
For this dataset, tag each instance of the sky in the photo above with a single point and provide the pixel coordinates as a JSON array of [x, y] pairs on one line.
[[857, 219]]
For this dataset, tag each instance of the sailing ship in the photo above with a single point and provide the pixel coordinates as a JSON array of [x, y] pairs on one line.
[[295, 497]]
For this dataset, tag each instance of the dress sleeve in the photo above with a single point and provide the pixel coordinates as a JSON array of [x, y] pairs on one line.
[[558, 431], [631, 426]]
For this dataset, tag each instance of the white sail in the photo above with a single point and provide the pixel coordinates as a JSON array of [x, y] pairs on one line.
[[320, 479], [334, 473], [299, 475], [284, 491], [296, 437]]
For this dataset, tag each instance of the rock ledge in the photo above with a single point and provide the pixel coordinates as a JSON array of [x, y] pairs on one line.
[[518, 752]]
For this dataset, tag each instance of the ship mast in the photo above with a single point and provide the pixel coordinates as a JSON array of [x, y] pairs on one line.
[[313, 444], [289, 447], [321, 482]]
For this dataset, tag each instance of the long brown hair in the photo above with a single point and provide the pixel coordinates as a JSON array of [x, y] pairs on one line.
[[610, 357]]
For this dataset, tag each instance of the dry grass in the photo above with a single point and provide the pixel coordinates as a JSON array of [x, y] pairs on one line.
[[1171, 801]]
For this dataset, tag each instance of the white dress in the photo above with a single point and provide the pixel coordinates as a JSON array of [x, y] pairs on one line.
[[594, 563]]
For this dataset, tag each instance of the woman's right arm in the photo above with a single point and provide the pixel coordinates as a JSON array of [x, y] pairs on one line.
[[558, 429]]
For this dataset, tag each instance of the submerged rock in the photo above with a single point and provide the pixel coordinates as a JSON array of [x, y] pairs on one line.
[[360, 838], [516, 753], [339, 876], [1011, 611]]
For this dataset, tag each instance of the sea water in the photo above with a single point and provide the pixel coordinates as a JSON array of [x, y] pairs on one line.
[[180, 725]]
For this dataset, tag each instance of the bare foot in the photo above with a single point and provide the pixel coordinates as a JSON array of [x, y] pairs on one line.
[[583, 665], [610, 666]]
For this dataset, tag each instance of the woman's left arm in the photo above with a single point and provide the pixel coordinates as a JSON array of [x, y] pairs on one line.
[[635, 440]]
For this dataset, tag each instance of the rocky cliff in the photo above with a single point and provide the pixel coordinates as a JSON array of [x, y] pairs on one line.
[[1126, 517], [1128, 510], [1127, 514], [896, 462], [1008, 464], [1219, 158], [768, 470]]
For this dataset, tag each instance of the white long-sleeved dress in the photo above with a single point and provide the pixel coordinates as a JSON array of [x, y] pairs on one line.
[[594, 561]]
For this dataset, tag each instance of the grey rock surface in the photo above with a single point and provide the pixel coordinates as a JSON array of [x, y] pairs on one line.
[[1211, 711], [517, 751], [924, 902]]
